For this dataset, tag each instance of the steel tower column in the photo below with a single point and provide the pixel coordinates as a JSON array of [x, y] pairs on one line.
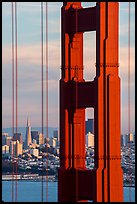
[[76, 183]]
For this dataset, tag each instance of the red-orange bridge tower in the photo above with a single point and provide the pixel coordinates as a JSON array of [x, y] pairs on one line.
[[105, 182]]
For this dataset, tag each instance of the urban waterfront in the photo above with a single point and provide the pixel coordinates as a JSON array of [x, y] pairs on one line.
[[41, 156], [30, 191]]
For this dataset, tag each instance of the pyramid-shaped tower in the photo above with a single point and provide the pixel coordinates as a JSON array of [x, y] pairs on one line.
[[28, 133]]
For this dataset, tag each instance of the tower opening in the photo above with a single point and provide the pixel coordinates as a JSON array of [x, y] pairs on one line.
[[88, 4], [89, 134], [89, 55]]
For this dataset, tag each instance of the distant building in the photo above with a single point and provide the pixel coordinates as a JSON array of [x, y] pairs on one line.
[[55, 134], [46, 140], [122, 140], [34, 135], [15, 148], [90, 140], [131, 138], [128, 138], [134, 137], [53, 142], [3, 140], [58, 150], [39, 137], [125, 140], [34, 152], [18, 136], [4, 136], [34, 144], [90, 126], [5, 149], [8, 140], [34, 141], [28, 140]]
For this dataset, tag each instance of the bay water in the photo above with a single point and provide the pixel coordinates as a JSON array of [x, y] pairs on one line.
[[30, 191]]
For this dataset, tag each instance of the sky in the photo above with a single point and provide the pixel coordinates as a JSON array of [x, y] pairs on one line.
[[29, 63]]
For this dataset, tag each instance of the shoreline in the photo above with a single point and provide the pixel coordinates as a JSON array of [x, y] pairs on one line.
[[49, 179], [37, 178], [28, 177]]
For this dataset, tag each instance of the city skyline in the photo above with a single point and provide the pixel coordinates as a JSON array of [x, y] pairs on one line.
[[29, 63]]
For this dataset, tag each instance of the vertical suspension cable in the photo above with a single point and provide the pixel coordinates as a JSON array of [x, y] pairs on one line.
[[130, 173], [76, 102], [47, 101], [16, 56], [12, 11], [42, 87]]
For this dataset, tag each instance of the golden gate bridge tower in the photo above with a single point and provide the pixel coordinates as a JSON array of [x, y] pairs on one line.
[[105, 182]]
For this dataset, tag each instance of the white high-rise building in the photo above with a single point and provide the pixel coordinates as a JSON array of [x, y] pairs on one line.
[[15, 148], [90, 140], [131, 138], [34, 152], [5, 149], [53, 142], [56, 134], [128, 138], [28, 134]]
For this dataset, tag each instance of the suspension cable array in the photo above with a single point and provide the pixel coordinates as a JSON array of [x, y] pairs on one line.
[[15, 99]]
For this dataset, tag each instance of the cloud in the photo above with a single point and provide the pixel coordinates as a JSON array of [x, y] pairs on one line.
[[29, 60], [6, 55], [31, 54], [125, 119], [124, 7], [123, 60], [29, 100], [29, 80], [33, 7], [123, 30]]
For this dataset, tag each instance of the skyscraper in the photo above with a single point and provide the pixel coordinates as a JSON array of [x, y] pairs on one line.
[[131, 138], [15, 148], [90, 140], [28, 134], [4, 136], [90, 125], [18, 136], [39, 137], [56, 135]]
